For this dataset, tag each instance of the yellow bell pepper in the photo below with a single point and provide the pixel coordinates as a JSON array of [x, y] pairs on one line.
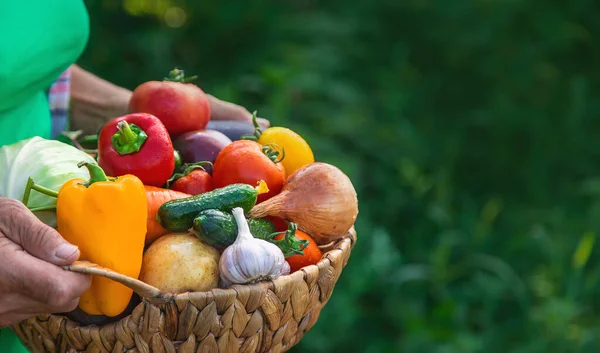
[[106, 218]]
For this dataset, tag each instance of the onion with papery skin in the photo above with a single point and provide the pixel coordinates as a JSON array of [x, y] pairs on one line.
[[319, 198]]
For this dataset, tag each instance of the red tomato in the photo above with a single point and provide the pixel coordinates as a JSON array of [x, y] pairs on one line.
[[244, 162], [181, 106], [195, 183], [312, 253]]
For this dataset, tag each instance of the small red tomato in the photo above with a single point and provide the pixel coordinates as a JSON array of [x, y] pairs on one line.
[[312, 253], [244, 162], [196, 182], [181, 106]]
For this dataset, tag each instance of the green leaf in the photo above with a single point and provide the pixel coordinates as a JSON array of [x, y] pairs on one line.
[[584, 249]]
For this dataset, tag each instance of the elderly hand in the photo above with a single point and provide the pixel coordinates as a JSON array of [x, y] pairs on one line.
[[31, 281], [222, 110]]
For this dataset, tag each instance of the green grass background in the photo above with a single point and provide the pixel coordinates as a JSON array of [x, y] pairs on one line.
[[469, 128]]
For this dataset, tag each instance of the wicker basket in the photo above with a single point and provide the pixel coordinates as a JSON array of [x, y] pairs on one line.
[[264, 317]]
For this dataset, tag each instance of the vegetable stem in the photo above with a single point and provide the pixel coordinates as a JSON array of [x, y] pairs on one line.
[[96, 173], [31, 185], [129, 139], [28, 187], [262, 188], [127, 135], [43, 208], [257, 130], [270, 150], [177, 75], [290, 245]]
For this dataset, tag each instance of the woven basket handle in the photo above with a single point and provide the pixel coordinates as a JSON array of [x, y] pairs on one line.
[[150, 293], [145, 290]]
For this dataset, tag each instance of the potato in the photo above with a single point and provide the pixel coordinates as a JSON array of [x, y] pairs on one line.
[[180, 262]]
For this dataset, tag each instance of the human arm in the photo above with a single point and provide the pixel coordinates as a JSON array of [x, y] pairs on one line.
[[94, 101], [31, 280]]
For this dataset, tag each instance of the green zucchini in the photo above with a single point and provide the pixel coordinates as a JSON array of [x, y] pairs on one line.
[[178, 215], [219, 228]]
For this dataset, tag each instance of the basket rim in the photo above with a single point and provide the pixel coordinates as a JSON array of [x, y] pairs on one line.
[[334, 249], [41, 330]]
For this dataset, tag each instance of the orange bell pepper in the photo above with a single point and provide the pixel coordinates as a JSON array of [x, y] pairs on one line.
[[106, 218]]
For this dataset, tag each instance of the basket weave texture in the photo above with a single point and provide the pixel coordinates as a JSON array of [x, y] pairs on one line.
[[264, 317]]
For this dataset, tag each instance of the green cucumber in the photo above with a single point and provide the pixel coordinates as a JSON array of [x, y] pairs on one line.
[[260, 228], [215, 228], [178, 215], [219, 229]]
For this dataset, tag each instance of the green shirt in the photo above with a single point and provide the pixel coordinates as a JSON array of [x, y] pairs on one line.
[[40, 40]]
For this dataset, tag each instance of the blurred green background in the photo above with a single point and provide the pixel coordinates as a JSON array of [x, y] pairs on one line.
[[469, 129]]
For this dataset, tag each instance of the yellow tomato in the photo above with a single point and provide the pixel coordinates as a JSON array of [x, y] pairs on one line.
[[297, 152]]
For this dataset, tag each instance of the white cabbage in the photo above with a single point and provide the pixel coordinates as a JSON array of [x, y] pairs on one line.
[[49, 163]]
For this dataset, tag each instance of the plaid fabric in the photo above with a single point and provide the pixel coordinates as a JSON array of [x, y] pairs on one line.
[[58, 98]]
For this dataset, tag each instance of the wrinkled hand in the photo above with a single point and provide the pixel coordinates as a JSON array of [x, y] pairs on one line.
[[222, 110], [31, 281]]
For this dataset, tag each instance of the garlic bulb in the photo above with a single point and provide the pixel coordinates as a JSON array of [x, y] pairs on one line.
[[250, 260]]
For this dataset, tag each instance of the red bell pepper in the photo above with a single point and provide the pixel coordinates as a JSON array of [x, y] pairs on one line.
[[137, 144]]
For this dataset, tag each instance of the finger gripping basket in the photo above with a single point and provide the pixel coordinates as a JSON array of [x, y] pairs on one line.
[[264, 317]]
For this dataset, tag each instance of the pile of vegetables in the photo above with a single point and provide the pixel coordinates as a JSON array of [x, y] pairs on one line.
[[180, 202]]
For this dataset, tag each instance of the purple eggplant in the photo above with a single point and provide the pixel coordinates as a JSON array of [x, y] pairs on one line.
[[232, 128], [200, 145], [235, 129]]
